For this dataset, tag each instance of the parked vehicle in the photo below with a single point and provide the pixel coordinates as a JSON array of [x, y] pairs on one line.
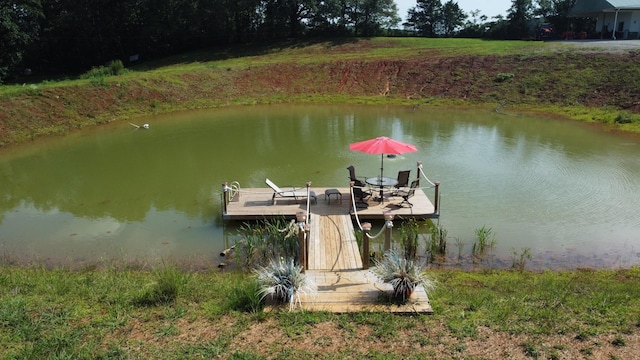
[[545, 31]]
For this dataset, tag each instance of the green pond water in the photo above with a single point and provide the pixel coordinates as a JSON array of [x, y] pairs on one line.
[[569, 192]]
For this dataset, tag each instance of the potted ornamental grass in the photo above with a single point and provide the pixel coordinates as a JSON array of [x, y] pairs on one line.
[[403, 275], [283, 280]]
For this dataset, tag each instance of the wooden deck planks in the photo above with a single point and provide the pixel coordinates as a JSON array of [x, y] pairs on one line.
[[332, 244], [255, 203], [357, 290]]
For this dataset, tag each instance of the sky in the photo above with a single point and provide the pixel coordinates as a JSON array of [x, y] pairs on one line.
[[490, 8]]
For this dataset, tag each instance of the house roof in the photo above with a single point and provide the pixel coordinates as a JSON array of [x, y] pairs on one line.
[[594, 7]]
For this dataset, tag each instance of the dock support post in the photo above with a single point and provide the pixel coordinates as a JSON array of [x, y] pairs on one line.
[[225, 197], [366, 228], [388, 218], [437, 197], [301, 218]]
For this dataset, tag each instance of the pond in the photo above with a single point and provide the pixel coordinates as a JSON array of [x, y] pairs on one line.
[[114, 193]]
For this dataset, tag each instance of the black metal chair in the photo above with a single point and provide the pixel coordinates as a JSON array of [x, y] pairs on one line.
[[359, 196], [352, 177], [403, 180], [406, 194]]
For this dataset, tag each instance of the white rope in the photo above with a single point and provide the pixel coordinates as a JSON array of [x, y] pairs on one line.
[[425, 176], [355, 211], [381, 230], [232, 190], [229, 188], [248, 191]]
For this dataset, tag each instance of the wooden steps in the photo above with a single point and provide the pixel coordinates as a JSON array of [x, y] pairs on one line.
[[358, 290]]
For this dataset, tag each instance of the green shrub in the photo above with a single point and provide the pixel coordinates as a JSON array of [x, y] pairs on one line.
[[623, 119], [115, 67]]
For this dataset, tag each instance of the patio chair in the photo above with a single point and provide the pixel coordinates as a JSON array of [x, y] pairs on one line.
[[354, 178], [359, 196], [403, 180], [292, 192], [406, 194]]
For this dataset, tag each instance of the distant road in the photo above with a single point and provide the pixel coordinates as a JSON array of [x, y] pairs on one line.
[[605, 45]]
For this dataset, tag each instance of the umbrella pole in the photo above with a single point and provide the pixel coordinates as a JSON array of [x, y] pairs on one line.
[[381, 174]]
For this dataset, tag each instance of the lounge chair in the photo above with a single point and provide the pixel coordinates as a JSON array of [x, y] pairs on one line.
[[406, 194], [296, 193]]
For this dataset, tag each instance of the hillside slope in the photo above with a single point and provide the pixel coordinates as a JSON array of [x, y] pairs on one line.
[[596, 86]]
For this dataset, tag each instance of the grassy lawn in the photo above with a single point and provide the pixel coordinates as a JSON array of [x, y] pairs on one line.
[[109, 313]]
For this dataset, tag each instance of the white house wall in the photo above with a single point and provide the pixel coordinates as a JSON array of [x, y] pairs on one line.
[[631, 21], [634, 21]]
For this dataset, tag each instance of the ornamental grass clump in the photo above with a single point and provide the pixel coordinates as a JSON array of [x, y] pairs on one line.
[[403, 275], [283, 280], [169, 281]]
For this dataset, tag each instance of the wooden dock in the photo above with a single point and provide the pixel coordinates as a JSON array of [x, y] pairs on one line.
[[335, 269], [255, 204]]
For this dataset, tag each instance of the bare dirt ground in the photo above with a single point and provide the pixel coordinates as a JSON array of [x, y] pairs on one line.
[[428, 339]]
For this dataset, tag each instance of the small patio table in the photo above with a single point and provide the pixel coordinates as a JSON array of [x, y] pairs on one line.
[[381, 182]]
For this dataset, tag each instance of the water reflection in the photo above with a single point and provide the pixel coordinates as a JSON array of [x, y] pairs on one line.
[[564, 190]]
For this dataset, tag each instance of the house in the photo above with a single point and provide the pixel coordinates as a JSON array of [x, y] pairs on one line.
[[616, 19]]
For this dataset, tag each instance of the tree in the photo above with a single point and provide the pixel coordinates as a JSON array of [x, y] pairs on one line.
[[287, 18], [19, 28], [369, 17], [519, 17], [452, 17], [425, 17], [475, 27]]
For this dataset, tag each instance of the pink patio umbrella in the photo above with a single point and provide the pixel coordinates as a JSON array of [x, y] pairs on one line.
[[382, 145]]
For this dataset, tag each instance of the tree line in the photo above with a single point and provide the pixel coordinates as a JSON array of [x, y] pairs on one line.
[[71, 36]]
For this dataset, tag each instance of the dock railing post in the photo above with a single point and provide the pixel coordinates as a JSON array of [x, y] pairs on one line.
[[388, 225], [437, 197], [366, 229], [225, 197], [301, 218], [307, 231]]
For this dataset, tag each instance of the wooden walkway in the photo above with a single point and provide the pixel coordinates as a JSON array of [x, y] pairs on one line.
[[332, 244], [339, 282]]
